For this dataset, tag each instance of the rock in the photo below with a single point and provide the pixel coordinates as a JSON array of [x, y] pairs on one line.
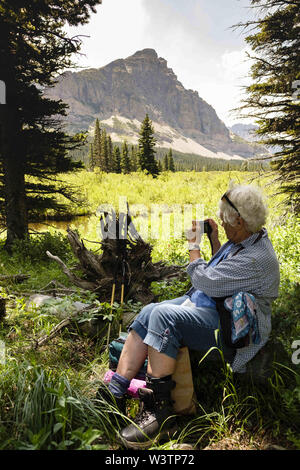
[[37, 300], [91, 327], [182, 446], [57, 305], [274, 447], [143, 83]]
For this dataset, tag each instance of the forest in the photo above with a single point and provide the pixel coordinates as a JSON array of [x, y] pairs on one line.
[[62, 300]]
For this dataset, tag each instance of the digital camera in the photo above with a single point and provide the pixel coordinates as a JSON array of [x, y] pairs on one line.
[[207, 228]]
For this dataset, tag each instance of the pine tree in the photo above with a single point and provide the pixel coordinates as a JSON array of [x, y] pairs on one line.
[[34, 49], [117, 160], [104, 151], [125, 160], [91, 161], [273, 98], [147, 142], [171, 166], [134, 158], [109, 153], [166, 163], [97, 146]]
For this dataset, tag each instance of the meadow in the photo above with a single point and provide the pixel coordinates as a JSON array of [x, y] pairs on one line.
[[47, 395]]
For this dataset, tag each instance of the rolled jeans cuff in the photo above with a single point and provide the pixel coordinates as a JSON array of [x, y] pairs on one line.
[[160, 342]]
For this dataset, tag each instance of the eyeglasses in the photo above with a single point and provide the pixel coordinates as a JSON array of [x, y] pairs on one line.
[[230, 203]]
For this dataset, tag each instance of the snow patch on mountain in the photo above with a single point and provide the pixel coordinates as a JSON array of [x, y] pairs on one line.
[[121, 128]]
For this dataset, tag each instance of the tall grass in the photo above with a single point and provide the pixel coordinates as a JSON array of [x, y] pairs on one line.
[[47, 396], [47, 412]]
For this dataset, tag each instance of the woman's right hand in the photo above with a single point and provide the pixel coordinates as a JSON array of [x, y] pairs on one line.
[[214, 226], [214, 236]]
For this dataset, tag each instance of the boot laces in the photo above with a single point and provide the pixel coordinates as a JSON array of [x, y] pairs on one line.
[[149, 408]]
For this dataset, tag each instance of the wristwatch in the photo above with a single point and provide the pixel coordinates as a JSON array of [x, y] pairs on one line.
[[194, 246]]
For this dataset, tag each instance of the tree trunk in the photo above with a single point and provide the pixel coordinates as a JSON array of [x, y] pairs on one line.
[[11, 149], [14, 180]]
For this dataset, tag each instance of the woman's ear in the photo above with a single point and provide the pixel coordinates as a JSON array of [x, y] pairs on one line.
[[240, 222]]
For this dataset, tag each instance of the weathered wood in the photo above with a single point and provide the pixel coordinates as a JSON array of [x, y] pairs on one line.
[[100, 269], [14, 277], [88, 260], [75, 280], [54, 332]]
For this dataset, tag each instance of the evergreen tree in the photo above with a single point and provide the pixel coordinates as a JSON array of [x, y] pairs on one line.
[[273, 98], [166, 163], [91, 161], [147, 142], [97, 146], [104, 152], [117, 160], [109, 153], [159, 165], [134, 158], [125, 160], [34, 49], [171, 165]]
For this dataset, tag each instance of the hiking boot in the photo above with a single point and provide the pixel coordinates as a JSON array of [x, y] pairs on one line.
[[156, 418]]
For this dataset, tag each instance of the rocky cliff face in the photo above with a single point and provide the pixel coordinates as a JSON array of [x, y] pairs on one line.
[[142, 84]]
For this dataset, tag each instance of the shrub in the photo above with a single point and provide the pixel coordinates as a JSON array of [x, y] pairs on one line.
[[34, 249]]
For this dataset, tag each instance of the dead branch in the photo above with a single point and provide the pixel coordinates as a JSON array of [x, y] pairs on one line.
[[75, 280], [65, 322], [15, 277]]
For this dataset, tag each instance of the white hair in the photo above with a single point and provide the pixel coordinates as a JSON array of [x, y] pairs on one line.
[[249, 201]]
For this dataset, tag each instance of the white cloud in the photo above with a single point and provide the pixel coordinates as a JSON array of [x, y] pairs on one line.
[[115, 32], [235, 65], [204, 55]]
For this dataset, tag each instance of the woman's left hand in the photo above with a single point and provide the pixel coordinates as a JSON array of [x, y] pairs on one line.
[[194, 234]]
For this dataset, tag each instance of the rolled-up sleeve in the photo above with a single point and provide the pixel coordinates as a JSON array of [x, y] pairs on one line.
[[239, 273]]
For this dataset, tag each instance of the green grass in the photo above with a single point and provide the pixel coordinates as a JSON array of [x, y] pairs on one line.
[[47, 395]]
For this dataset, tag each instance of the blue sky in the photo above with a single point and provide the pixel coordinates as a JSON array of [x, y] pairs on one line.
[[194, 37]]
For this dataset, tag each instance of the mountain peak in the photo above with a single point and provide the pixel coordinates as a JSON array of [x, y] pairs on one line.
[[145, 54], [138, 85]]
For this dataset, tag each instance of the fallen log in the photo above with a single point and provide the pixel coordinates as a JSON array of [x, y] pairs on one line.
[[54, 332], [14, 277]]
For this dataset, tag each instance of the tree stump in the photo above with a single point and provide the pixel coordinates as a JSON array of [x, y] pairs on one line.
[[125, 259]]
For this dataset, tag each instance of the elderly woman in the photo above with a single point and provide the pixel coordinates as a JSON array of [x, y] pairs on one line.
[[246, 263]]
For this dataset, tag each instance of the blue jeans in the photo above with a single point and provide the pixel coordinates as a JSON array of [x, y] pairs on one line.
[[166, 326]]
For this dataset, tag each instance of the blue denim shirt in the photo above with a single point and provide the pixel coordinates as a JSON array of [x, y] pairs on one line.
[[197, 296], [253, 269]]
